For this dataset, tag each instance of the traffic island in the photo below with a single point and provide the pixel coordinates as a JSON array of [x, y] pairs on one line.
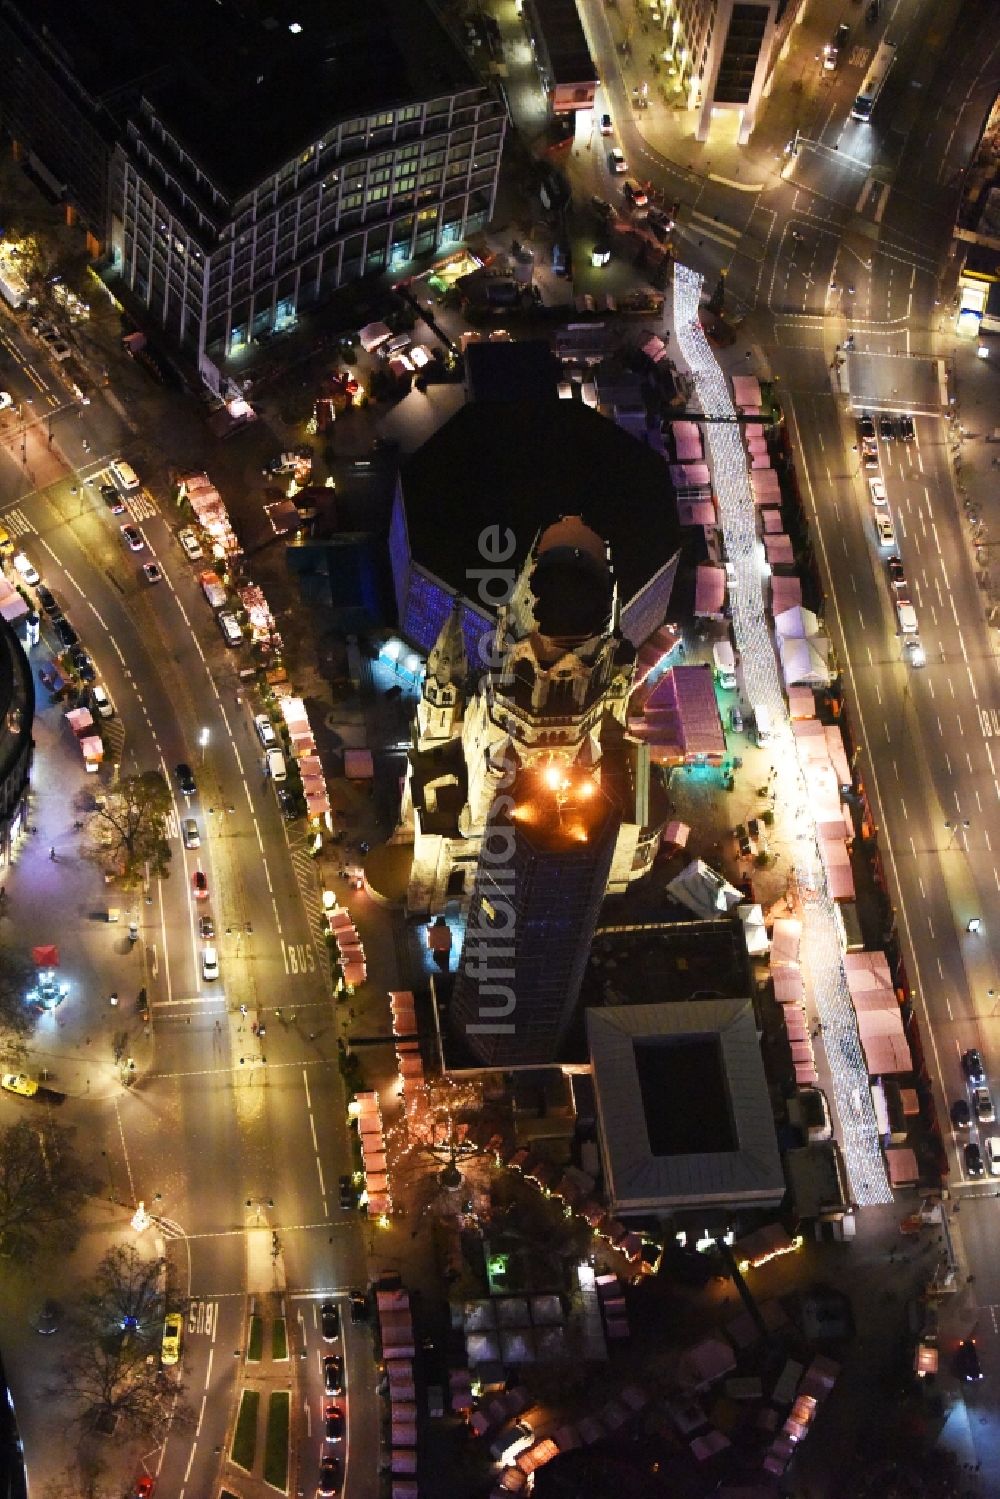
[[276, 1442], [255, 1342], [245, 1436]]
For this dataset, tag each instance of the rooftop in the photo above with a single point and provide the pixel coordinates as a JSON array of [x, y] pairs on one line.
[[523, 464], [683, 1106], [247, 84]]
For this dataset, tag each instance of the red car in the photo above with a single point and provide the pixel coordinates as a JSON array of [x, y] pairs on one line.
[[199, 885], [143, 1487]]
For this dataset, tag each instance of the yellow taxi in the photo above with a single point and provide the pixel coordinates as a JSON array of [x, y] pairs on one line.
[[170, 1350]]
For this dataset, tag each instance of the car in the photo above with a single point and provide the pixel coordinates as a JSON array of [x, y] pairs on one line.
[[133, 538], [20, 1083], [866, 424], [885, 531], [27, 571], [333, 1374], [60, 350], [607, 128], [48, 1319], [333, 1422], [185, 779], [877, 491], [961, 1114], [906, 615], [286, 804], [602, 208], [914, 651], [869, 455], [886, 428], [974, 1160], [329, 1318], [972, 1066], [897, 577], [209, 964], [190, 833], [112, 498], [907, 431], [833, 50], [46, 600], [191, 545], [199, 885], [6, 400], [103, 705], [151, 572], [329, 1477], [983, 1105], [170, 1347], [736, 720], [206, 928], [617, 164], [65, 631], [143, 1487], [359, 1307], [82, 664], [265, 731], [634, 194], [967, 1361], [660, 221], [348, 1196]]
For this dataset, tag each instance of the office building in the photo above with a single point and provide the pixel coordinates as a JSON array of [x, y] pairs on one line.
[[239, 161], [718, 54]]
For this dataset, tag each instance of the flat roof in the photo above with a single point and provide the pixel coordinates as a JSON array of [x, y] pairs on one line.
[[711, 1139], [523, 464], [241, 89]]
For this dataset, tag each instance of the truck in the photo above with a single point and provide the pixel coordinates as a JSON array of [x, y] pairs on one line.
[[211, 587], [13, 287]]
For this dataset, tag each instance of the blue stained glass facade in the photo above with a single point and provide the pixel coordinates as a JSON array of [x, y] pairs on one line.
[[428, 605]]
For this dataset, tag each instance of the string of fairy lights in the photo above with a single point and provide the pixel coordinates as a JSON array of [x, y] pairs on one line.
[[821, 942]]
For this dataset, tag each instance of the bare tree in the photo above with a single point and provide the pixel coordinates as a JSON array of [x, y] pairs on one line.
[[42, 1189], [17, 1017], [117, 1385], [128, 828], [129, 1295]]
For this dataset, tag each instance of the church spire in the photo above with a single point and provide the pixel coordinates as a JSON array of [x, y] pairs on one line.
[[442, 698], [448, 663]]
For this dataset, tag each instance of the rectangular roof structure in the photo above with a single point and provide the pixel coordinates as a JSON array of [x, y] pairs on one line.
[[649, 1096]]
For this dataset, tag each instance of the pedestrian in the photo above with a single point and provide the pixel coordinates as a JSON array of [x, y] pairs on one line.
[[52, 854], [253, 1028]]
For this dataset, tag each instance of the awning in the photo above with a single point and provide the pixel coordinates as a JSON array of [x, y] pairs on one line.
[[45, 956], [710, 591]]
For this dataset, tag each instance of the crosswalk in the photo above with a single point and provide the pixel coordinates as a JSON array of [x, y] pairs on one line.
[[17, 523]]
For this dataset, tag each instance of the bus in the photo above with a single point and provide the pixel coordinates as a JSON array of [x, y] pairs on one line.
[[874, 82]]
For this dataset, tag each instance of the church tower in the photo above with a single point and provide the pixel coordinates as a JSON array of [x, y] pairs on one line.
[[442, 697]]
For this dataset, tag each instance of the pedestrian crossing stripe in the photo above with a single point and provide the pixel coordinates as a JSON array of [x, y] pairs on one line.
[[17, 523]]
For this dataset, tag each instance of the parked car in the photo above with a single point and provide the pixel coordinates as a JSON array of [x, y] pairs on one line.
[[209, 964], [329, 1477], [866, 424], [961, 1114], [329, 1317], [133, 538], [82, 664], [67, 635], [967, 1361], [359, 1307], [603, 209], [607, 128], [20, 1083], [191, 545], [974, 1160], [907, 431], [206, 928], [333, 1374], [886, 428], [348, 1196], [897, 577], [199, 885], [972, 1066], [333, 1422], [736, 720], [26, 570], [265, 731], [103, 705]]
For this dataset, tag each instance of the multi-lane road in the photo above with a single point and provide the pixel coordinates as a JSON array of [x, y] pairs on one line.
[[231, 1135]]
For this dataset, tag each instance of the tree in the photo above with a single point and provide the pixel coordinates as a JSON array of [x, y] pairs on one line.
[[42, 1189], [128, 1295], [128, 828], [117, 1385], [17, 974], [717, 301]]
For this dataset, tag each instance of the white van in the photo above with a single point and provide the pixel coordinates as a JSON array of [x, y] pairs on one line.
[[125, 476], [724, 658], [907, 616], [993, 1155], [276, 768], [764, 722]]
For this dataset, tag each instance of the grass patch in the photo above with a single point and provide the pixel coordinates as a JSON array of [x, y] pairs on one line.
[[245, 1435], [255, 1345], [279, 1340], [276, 1442]]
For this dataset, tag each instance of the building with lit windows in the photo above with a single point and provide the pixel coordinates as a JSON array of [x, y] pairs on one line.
[[239, 160], [17, 714], [718, 54]]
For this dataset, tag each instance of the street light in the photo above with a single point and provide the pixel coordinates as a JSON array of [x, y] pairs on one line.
[[203, 741]]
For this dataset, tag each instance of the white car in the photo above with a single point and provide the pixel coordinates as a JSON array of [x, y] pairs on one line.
[[885, 531], [209, 963], [616, 161], [26, 570], [189, 542], [265, 731], [907, 616], [99, 697], [877, 491], [6, 400]]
